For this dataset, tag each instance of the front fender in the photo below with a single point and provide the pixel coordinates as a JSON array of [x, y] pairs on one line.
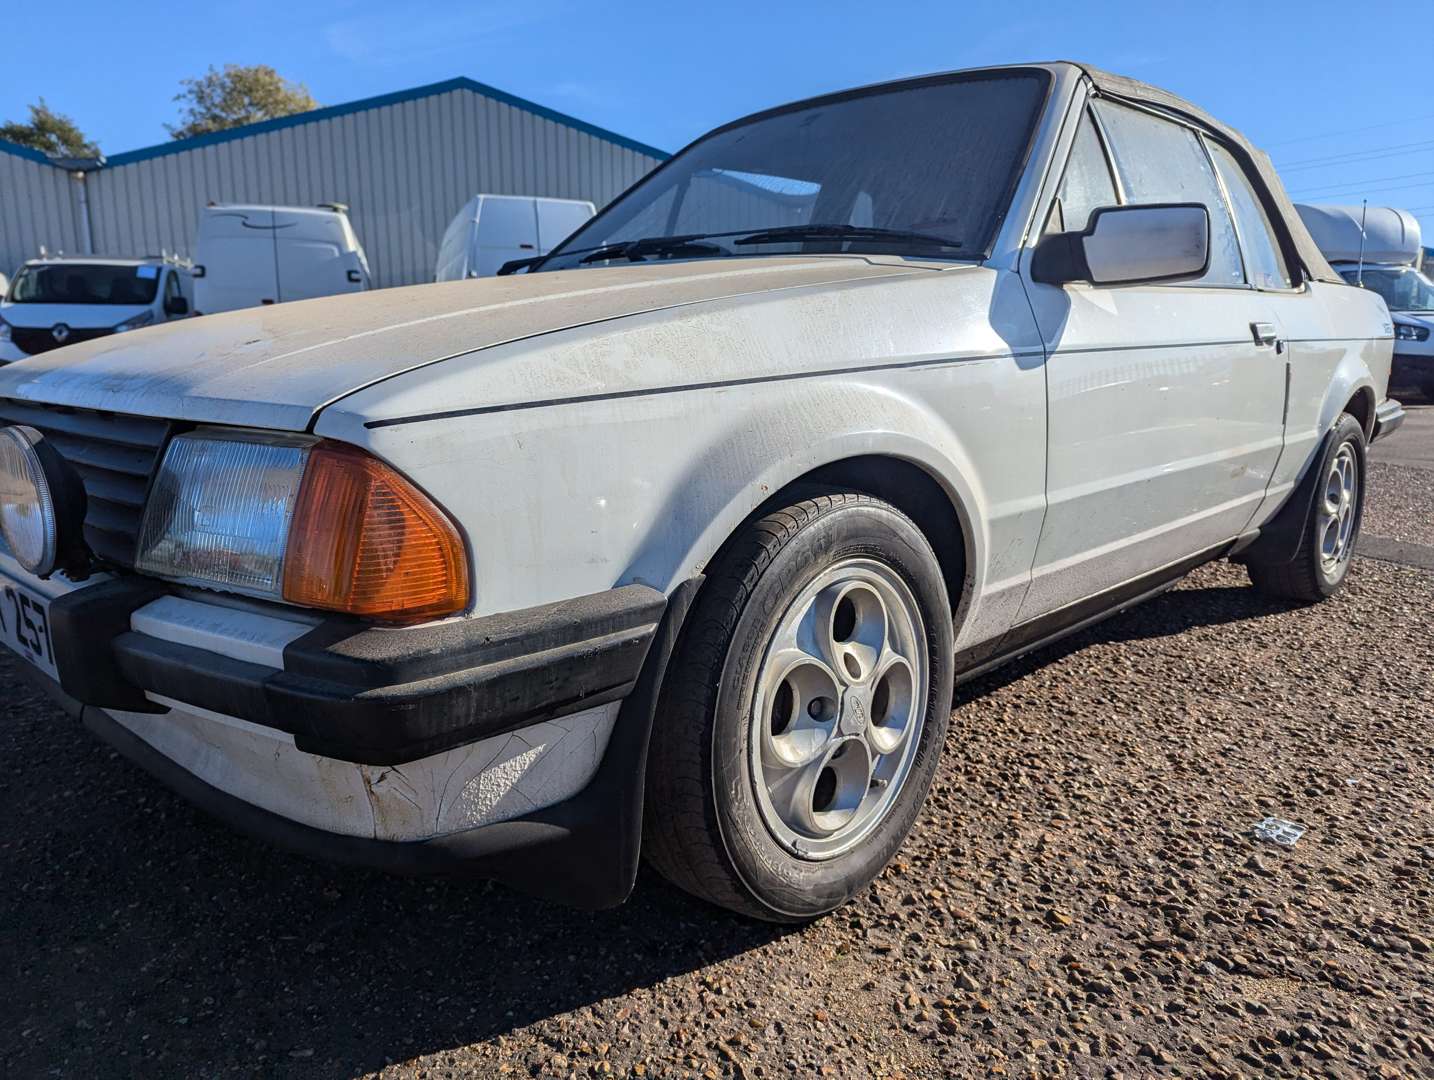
[[693, 417], [734, 474]]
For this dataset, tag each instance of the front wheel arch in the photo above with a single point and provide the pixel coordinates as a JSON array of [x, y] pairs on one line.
[[918, 495]]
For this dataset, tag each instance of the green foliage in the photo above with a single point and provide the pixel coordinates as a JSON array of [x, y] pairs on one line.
[[50, 132], [238, 95]]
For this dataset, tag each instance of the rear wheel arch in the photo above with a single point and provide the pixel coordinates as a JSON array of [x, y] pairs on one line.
[[1361, 406]]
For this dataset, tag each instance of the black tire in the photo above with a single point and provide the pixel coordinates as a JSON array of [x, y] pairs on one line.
[[702, 829], [1306, 577]]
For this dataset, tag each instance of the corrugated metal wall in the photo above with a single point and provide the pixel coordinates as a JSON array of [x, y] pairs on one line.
[[404, 169], [37, 206]]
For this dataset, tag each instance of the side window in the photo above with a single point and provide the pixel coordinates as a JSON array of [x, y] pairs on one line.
[[1087, 183], [1264, 264], [1163, 162]]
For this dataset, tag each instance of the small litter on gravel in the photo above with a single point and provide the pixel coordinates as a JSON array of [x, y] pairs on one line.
[[1279, 831]]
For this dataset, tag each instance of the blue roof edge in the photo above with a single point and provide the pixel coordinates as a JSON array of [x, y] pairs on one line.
[[178, 146], [27, 152]]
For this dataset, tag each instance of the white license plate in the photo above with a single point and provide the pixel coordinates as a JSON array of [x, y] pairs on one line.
[[25, 626]]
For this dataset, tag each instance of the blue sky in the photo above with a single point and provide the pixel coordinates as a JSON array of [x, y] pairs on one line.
[[1339, 94]]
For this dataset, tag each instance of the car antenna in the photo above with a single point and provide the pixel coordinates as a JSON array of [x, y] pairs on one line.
[[1363, 214]]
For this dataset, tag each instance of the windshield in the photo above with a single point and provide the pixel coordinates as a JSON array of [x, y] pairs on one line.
[[1403, 290], [80, 283], [932, 164]]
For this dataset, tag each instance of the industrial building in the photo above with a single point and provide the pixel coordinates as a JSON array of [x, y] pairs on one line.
[[404, 163]]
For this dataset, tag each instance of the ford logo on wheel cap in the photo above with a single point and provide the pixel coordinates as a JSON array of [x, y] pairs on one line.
[[60, 332]]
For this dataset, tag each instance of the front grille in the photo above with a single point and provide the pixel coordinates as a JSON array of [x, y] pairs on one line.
[[38, 339], [114, 455]]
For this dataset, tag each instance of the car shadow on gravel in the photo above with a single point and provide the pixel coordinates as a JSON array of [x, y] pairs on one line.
[[142, 938], [1167, 615]]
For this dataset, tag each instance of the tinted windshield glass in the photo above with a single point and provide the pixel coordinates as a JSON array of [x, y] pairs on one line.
[[939, 158], [77, 283], [1403, 290]]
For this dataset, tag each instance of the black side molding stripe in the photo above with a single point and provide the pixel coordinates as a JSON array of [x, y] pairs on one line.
[[757, 380]]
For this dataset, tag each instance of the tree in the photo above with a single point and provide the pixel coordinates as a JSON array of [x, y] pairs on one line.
[[238, 95], [50, 132]]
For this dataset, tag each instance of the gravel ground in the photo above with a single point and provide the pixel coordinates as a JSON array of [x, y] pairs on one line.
[[1398, 504], [1082, 896]]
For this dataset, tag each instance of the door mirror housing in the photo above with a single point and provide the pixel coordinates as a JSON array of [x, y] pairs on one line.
[[1129, 245], [176, 305]]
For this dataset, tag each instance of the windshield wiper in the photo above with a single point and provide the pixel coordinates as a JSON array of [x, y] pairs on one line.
[[699, 244], [786, 233], [638, 250]]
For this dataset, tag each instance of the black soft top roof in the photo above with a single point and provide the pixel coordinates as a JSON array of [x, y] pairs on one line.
[[1316, 266]]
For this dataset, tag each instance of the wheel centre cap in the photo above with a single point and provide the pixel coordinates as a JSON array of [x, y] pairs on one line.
[[854, 713]]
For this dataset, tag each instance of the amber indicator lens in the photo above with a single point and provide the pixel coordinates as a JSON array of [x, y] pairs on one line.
[[366, 541]]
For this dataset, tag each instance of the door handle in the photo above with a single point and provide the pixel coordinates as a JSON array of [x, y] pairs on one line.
[[1264, 333]]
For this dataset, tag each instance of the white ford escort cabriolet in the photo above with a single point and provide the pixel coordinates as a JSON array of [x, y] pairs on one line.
[[674, 541]]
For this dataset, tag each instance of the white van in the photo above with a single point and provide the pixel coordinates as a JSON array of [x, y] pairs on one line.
[[1380, 248], [493, 229], [62, 300], [252, 255]]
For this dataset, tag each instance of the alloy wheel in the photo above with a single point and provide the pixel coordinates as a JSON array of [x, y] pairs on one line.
[[839, 707]]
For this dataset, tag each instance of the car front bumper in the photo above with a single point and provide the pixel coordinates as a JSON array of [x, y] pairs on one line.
[[1412, 369], [510, 747]]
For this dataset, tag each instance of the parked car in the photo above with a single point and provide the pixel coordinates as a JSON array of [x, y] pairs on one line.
[[247, 256], [678, 542], [1379, 248], [63, 300], [1409, 295], [492, 230]]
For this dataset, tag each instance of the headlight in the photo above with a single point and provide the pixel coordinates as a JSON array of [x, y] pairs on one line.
[[314, 523], [4, 330], [144, 318], [27, 509], [1405, 332]]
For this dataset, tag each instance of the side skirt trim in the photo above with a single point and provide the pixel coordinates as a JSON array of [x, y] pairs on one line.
[[1054, 625]]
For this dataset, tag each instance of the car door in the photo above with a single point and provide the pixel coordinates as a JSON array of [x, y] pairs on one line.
[[558, 219], [1165, 401], [507, 229], [173, 291], [311, 256], [236, 259]]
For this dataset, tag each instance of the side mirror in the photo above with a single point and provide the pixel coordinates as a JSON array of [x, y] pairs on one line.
[[176, 305], [355, 277], [196, 271], [1129, 245]]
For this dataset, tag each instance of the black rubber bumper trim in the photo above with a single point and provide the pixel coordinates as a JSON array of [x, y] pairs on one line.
[[583, 852], [385, 697], [82, 623]]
